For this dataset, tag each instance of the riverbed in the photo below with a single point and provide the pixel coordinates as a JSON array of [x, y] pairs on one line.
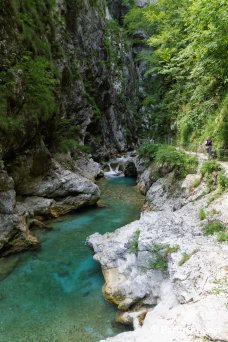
[[54, 293]]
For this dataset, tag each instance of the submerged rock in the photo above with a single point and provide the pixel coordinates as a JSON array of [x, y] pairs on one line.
[[7, 265]]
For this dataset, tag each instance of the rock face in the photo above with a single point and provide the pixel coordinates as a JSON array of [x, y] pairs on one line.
[[164, 259], [52, 194], [87, 94], [67, 84]]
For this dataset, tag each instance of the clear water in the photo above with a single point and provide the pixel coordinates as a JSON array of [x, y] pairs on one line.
[[54, 294]]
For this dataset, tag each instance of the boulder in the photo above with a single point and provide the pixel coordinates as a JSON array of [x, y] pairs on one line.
[[79, 163], [34, 206], [130, 169], [71, 203], [15, 235]]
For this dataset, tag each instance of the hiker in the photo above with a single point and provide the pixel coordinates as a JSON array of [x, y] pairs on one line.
[[208, 145]]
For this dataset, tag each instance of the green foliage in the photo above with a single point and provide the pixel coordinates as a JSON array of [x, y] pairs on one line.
[[212, 212], [202, 214], [135, 19], [222, 236], [160, 252], [181, 162], [214, 227], [148, 151], [215, 195], [215, 175], [223, 181], [196, 183], [172, 249], [187, 67], [67, 137], [38, 102], [40, 84], [65, 145], [134, 242], [209, 166], [186, 257], [29, 86]]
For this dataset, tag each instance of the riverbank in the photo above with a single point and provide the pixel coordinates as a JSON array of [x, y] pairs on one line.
[[165, 260], [65, 184]]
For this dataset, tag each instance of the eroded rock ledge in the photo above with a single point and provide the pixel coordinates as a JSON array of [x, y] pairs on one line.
[[189, 293], [25, 201]]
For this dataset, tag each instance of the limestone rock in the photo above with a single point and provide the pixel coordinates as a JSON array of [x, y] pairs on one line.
[[60, 183], [190, 323], [34, 206], [7, 201], [71, 203], [15, 235], [196, 269], [79, 163]]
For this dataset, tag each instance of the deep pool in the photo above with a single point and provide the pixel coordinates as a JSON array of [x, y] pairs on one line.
[[54, 293]]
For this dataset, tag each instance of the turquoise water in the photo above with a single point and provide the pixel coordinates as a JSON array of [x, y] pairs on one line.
[[54, 293]]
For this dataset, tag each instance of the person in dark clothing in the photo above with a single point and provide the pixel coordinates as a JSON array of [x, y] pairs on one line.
[[208, 144]]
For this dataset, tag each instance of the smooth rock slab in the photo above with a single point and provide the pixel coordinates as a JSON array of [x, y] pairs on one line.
[[61, 183]]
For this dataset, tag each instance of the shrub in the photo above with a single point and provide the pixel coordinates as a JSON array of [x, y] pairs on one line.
[[214, 175], [160, 253], [223, 181], [214, 227], [222, 236], [134, 244], [148, 151], [202, 214], [162, 154], [209, 166]]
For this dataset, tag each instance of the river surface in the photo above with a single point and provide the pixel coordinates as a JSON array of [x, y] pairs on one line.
[[54, 294]]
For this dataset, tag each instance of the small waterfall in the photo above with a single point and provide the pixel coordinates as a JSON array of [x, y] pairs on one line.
[[114, 171]]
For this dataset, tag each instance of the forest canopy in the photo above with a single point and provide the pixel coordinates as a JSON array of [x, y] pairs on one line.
[[186, 67]]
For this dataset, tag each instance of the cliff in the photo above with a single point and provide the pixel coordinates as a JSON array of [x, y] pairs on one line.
[[67, 75], [68, 86]]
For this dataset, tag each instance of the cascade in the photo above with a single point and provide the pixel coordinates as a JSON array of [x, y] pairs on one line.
[[114, 171]]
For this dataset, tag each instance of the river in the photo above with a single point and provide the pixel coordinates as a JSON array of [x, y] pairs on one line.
[[54, 294]]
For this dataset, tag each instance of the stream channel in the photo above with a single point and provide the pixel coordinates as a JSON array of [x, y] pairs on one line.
[[54, 294]]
